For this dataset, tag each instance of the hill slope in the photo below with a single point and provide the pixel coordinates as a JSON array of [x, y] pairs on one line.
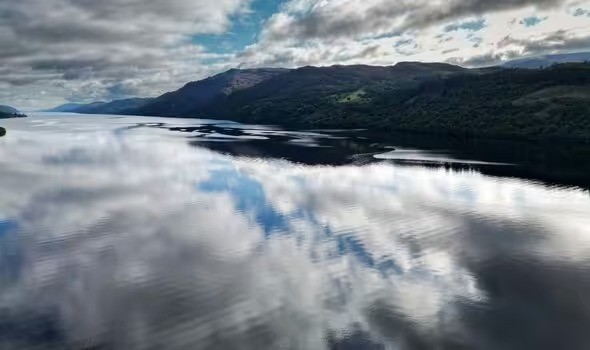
[[522, 103], [68, 107], [114, 107], [324, 95], [124, 106], [195, 97], [422, 97]]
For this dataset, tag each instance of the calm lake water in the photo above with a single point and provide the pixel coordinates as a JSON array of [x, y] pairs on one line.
[[152, 233]]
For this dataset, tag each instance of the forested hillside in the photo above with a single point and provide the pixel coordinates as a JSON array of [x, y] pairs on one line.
[[424, 97], [549, 103]]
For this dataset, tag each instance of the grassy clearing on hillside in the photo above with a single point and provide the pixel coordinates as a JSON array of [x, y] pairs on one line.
[[358, 97]]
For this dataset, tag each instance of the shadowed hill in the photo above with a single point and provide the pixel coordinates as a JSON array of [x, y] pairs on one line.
[[125, 106], [69, 107], [413, 96], [196, 97], [293, 97], [10, 112], [519, 103]]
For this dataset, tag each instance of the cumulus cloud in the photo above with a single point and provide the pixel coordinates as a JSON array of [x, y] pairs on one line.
[[331, 32], [109, 42], [513, 46], [353, 18]]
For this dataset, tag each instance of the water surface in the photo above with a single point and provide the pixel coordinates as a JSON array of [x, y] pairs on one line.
[[152, 233]]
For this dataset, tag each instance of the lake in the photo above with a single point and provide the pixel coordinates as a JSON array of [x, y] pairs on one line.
[[159, 233]]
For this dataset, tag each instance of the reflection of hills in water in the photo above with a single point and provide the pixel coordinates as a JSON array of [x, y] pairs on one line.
[[306, 147], [557, 163]]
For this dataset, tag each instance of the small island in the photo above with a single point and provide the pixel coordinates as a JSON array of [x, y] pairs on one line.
[[10, 112]]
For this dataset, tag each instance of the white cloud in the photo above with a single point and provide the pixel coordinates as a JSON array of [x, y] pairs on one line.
[[104, 43], [350, 32]]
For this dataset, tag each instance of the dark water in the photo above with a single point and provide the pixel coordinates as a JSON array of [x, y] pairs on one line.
[[149, 233]]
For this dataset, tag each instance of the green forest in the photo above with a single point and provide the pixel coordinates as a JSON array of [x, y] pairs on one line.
[[520, 103], [549, 103]]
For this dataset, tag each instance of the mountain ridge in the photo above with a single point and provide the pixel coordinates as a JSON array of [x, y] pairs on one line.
[[424, 97], [121, 106], [198, 95]]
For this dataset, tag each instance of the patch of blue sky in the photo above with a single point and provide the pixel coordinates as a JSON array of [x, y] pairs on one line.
[[11, 261], [471, 25], [244, 30], [7, 226], [249, 197], [349, 244], [532, 21]]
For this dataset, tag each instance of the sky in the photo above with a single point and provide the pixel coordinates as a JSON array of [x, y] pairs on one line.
[[60, 51]]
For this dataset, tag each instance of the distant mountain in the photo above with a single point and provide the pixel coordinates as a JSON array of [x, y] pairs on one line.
[[114, 107], [208, 96], [10, 112], [548, 60], [190, 100], [68, 107]]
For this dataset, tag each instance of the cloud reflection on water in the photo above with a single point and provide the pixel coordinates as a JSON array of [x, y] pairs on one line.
[[144, 241]]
